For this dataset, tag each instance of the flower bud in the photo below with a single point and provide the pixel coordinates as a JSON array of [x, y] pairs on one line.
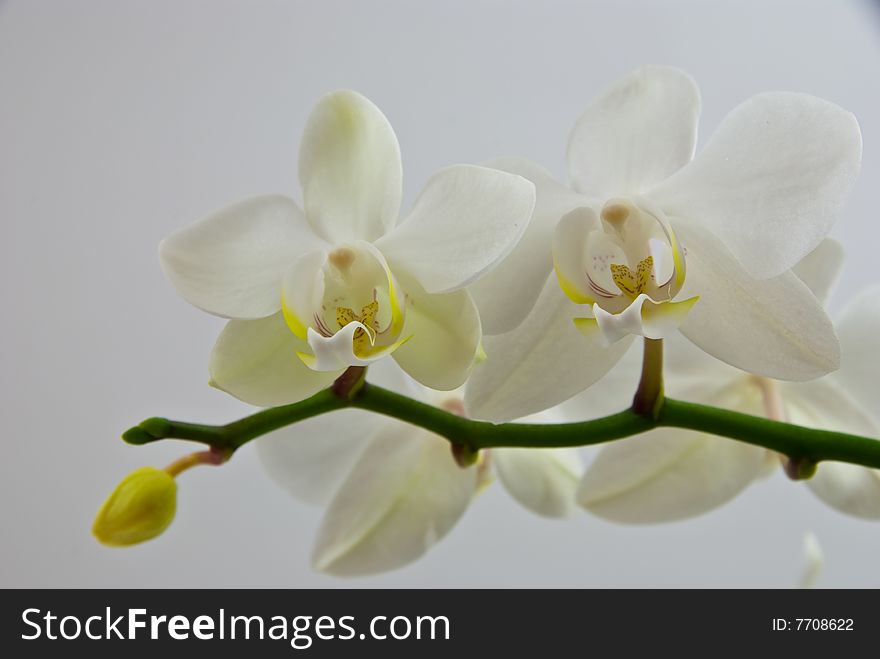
[[139, 509]]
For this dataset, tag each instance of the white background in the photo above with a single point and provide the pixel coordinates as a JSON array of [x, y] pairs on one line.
[[121, 121]]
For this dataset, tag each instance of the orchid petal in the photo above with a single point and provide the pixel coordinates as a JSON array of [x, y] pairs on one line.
[[445, 331], [859, 329], [638, 132], [350, 169], [256, 361], [774, 327], [820, 268], [508, 292], [541, 363], [403, 496], [465, 221], [302, 292], [231, 262], [569, 239], [312, 458], [612, 393], [542, 480], [826, 404], [814, 559], [849, 488], [670, 474], [772, 179]]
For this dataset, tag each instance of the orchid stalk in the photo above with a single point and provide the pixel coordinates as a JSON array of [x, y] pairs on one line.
[[797, 442]]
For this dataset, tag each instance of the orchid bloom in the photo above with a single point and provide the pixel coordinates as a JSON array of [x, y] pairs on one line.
[[669, 474], [650, 239], [343, 283], [392, 490]]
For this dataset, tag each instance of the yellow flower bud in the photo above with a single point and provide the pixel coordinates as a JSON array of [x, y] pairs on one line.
[[140, 508]]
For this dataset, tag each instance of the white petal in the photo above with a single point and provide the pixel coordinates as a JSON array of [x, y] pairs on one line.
[[825, 404], [231, 262], [465, 221], [312, 458], [256, 361], [541, 363], [508, 292], [637, 133], [859, 329], [820, 268], [771, 180], [445, 331], [570, 238], [849, 488], [612, 393], [643, 317], [302, 291], [349, 168], [814, 559], [669, 474], [404, 495], [542, 480], [685, 366], [774, 327]]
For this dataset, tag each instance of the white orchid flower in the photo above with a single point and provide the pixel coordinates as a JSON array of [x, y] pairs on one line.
[[814, 561], [669, 474], [343, 283], [392, 490], [647, 230]]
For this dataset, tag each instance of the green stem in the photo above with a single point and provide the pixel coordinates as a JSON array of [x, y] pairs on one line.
[[649, 396], [798, 443]]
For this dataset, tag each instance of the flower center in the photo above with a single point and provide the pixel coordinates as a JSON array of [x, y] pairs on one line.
[[350, 284], [633, 252], [626, 264]]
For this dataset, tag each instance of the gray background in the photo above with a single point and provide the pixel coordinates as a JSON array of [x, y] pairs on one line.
[[122, 121]]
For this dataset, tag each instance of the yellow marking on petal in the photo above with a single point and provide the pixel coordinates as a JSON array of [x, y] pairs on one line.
[[375, 351], [633, 284], [678, 262], [293, 322], [570, 289], [481, 355], [397, 317], [673, 312], [586, 326], [307, 359]]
